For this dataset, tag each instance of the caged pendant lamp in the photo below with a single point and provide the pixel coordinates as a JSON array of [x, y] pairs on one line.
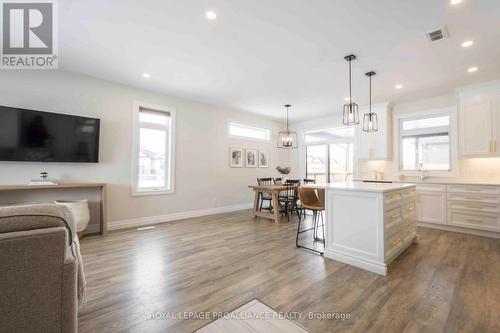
[[370, 121], [351, 113], [287, 139]]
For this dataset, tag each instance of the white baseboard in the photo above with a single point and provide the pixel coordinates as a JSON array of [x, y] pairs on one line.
[[143, 221], [92, 229], [369, 265], [483, 233]]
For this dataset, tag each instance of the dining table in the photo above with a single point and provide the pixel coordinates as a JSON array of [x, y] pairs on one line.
[[273, 191]]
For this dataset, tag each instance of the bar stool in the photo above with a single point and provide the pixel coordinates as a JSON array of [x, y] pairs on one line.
[[310, 201]]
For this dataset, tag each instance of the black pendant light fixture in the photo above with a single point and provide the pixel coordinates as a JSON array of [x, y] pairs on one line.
[[370, 121], [351, 113], [287, 139]]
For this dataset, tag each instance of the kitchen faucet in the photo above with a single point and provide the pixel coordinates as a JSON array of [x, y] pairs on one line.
[[422, 171]]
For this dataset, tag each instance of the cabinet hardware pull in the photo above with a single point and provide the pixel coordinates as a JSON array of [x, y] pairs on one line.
[[473, 207], [473, 189], [474, 221], [473, 198], [491, 149]]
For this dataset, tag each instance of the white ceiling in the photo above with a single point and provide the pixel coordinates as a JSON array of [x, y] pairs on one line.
[[259, 55]]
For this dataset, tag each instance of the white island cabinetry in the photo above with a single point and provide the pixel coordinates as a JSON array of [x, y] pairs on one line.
[[368, 225]]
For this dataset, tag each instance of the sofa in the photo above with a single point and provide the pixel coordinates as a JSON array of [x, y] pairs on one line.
[[41, 275]]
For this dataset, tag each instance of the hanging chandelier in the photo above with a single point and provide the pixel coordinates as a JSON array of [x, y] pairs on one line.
[[351, 113], [370, 121], [287, 139]]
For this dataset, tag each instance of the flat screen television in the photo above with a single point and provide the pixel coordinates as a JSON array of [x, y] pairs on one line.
[[36, 136]]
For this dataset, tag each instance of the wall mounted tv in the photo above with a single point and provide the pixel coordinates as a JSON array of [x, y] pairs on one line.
[[35, 136]]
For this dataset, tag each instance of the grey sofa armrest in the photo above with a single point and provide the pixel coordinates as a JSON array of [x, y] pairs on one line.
[[36, 216]]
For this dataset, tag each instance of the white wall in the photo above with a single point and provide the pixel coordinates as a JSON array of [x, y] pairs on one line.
[[203, 178]]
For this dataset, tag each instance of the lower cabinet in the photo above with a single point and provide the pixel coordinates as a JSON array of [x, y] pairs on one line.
[[431, 203], [465, 206]]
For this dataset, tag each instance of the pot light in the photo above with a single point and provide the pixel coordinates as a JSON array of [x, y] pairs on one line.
[[472, 69], [467, 43], [146, 75], [210, 15], [455, 2], [399, 86]]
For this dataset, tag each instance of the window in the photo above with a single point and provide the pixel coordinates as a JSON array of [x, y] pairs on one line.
[[248, 132], [153, 150], [330, 154], [425, 141]]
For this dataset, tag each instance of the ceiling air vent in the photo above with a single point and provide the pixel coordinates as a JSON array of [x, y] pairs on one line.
[[438, 34]]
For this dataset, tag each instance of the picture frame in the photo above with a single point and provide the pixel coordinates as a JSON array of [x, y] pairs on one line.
[[263, 159], [251, 156], [236, 158]]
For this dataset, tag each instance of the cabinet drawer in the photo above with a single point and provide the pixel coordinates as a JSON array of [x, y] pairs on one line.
[[473, 220], [409, 232], [473, 198], [431, 188], [473, 207], [392, 244], [393, 217], [474, 189], [409, 209], [408, 194], [392, 198]]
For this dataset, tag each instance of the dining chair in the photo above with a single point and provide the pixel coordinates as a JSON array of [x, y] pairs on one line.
[[289, 197], [278, 180], [310, 201], [265, 196]]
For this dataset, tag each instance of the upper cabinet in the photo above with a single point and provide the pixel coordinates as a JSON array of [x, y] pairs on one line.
[[376, 145], [479, 123]]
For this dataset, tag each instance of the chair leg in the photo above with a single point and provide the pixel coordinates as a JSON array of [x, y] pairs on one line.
[[297, 238], [323, 228]]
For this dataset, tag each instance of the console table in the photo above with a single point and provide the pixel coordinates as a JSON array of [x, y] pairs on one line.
[[94, 192]]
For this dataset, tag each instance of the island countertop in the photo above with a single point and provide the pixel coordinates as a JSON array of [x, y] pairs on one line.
[[362, 187]]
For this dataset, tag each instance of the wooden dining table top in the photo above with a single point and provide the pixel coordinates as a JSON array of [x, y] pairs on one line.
[[275, 187]]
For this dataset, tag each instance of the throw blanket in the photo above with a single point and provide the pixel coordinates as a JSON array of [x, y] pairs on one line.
[[82, 284]]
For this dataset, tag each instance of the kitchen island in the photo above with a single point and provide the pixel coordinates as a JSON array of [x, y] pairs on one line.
[[368, 225]]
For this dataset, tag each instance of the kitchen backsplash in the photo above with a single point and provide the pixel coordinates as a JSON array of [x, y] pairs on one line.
[[473, 168]]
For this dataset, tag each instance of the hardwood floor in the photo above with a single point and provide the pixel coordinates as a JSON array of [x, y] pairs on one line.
[[446, 282]]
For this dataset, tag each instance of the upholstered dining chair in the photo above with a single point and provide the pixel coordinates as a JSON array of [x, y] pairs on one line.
[[310, 201], [265, 196]]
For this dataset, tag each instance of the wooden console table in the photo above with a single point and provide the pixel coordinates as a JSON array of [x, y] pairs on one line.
[[42, 191]]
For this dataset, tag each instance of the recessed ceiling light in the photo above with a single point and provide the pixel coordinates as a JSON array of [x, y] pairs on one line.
[[399, 86], [467, 43], [472, 69], [455, 2], [146, 75], [210, 15]]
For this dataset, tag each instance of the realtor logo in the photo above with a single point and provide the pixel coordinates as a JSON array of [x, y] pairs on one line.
[[29, 35]]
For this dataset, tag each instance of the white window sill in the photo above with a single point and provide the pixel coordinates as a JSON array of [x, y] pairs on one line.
[[136, 193]]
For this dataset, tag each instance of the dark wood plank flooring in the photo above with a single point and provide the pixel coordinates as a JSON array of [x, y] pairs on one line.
[[447, 282]]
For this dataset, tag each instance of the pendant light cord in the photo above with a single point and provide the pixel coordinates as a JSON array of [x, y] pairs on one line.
[[287, 118], [370, 95], [350, 88]]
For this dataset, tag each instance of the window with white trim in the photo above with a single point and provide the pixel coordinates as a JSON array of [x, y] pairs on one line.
[[425, 141], [237, 130], [153, 151]]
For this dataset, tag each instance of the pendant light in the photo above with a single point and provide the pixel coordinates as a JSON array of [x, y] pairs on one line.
[[351, 114], [370, 121], [287, 139]]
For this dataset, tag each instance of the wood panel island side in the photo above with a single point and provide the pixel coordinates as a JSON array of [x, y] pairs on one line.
[[368, 225]]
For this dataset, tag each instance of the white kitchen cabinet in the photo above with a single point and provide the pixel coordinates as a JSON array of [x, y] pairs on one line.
[[477, 128], [479, 121], [376, 145], [431, 204]]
